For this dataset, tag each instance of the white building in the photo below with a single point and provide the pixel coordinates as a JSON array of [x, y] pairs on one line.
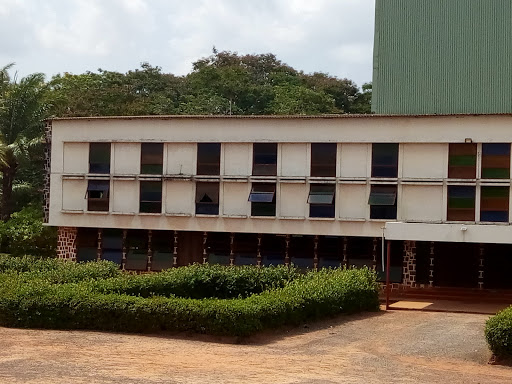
[[161, 191]]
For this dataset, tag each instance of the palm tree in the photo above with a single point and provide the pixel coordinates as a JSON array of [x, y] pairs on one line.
[[22, 111]]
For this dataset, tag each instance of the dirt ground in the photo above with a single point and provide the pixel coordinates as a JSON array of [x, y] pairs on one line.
[[386, 347]]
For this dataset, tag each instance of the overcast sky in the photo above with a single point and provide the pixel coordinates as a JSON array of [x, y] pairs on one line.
[[55, 36]]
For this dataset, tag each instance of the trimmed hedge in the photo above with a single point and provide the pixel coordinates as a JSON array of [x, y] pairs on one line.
[[148, 303], [498, 333]]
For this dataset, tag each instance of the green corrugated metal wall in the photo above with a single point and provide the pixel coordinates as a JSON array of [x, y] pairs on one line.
[[442, 57]]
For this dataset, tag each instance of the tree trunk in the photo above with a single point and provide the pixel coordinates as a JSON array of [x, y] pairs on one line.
[[8, 178]]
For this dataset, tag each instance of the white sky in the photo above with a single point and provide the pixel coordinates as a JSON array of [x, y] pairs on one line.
[[55, 36]]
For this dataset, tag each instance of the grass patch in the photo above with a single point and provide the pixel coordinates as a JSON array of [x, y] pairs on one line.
[[218, 300]]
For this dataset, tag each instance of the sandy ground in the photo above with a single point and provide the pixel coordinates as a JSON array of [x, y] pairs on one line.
[[386, 347]]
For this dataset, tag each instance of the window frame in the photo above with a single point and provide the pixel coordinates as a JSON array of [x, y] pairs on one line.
[[460, 162], [453, 212], [383, 211], [261, 151], [150, 205], [490, 158], [378, 168], [488, 201], [323, 159], [263, 208], [150, 159], [100, 168], [102, 202], [207, 208], [204, 152], [322, 209]]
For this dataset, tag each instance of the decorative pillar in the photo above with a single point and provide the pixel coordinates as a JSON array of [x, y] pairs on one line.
[[315, 253], [150, 249], [66, 243], [374, 253], [287, 251], [125, 250], [205, 247], [481, 268], [431, 275], [47, 169], [232, 249], [100, 237], [258, 256], [345, 255], [175, 250], [409, 264]]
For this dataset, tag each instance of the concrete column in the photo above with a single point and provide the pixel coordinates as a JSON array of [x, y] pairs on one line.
[[287, 251], [431, 270], [66, 243], [258, 255], [150, 249], [345, 253], [125, 250], [175, 250], [232, 249], [100, 239], [409, 264], [205, 247], [315, 253], [481, 267]]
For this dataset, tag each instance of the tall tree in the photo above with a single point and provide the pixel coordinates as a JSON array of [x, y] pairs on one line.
[[21, 121]]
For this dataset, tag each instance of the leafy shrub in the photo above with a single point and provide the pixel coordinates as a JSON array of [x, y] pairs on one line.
[[25, 234], [498, 332], [53, 294], [200, 281]]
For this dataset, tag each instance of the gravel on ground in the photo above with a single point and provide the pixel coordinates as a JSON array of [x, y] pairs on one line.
[[385, 347]]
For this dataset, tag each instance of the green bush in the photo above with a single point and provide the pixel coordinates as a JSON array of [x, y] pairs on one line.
[[200, 281], [498, 333], [25, 234], [74, 296]]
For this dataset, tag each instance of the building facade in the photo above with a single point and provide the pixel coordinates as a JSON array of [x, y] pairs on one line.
[[151, 193]]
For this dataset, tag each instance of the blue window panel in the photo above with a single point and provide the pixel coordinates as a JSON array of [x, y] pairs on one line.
[[320, 210], [457, 191], [496, 149], [494, 216], [112, 255]]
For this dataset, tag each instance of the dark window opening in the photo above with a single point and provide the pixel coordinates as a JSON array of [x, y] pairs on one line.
[[150, 197], [461, 203], [264, 159], [98, 192], [263, 199], [112, 245], [321, 200], [323, 159], [494, 204], [162, 246], [301, 251], [208, 159], [207, 198], [137, 250], [383, 202], [495, 161], [87, 244], [385, 160], [151, 158], [99, 157], [330, 252], [218, 248], [246, 248], [273, 249], [462, 161]]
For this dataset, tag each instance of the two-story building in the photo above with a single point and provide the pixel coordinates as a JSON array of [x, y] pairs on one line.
[[155, 192]]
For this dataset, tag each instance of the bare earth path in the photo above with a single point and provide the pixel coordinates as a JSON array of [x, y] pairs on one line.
[[388, 347]]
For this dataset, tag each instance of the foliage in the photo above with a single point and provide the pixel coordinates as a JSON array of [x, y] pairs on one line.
[[38, 297], [24, 233], [498, 332], [202, 280]]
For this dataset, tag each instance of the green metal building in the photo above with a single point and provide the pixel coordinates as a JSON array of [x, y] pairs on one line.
[[443, 57]]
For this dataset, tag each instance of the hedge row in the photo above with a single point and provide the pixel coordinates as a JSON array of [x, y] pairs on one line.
[[498, 332], [200, 281], [111, 304]]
